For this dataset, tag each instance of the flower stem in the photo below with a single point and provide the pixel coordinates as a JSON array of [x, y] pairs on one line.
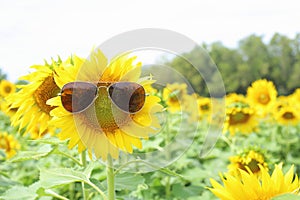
[[83, 163], [110, 179], [168, 138], [168, 188]]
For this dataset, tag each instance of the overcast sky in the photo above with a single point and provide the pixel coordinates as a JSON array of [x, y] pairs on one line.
[[33, 30]]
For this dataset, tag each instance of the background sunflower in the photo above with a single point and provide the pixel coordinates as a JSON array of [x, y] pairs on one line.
[[262, 95], [9, 144], [6, 88], [29, 103], [247, 160], [240, 120]]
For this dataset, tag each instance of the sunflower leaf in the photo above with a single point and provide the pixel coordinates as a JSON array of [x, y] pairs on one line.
[[61, 176], [122, 181], [50, 140], [22, 192], [29, 155]]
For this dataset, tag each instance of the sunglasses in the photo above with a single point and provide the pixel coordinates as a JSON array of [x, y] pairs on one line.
[[78, 96]]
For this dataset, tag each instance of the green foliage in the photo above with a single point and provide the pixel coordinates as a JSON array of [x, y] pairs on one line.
[[287, 197], [46, 169], [277, 60]]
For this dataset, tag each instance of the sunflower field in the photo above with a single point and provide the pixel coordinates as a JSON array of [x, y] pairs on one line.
[[89, 128]]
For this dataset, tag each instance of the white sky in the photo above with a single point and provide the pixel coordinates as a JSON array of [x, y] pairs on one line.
[[33, 30]]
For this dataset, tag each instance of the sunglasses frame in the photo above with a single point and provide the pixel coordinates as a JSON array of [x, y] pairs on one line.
[[99, 85]]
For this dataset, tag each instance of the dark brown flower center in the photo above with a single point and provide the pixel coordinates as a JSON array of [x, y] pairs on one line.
[[7, 89], [238, 118], [288, 115], [204, 107], [252, 165], [47, 90], [175, 96], [4, 144]]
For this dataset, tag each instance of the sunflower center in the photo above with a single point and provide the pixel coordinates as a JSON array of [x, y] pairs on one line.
[[103, 115], [204, 107], [253, 166], [7, 89], [288, 115], [4, 144], [264, 98], [175, 96], [238, 118], [47, 90]]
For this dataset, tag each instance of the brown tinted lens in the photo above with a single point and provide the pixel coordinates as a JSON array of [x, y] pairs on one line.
[[77, 96], [128, 96]]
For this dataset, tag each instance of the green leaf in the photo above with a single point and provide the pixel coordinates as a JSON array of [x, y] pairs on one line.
[[50, 140], [287, 197], [22, 192], [182, 192], [61, 176], [5, 182], [127, 181], [170, 172], [88, 170], [29, 155]]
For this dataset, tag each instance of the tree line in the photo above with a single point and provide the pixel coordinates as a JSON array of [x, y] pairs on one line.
[[277, 60]]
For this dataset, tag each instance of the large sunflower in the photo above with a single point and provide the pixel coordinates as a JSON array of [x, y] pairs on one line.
[[262, 94], [252, 187], [6, 88], [250, 159], [9, 144], [29, 103], [102, 128]]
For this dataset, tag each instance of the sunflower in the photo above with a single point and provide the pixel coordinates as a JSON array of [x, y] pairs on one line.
[[240, 119], [29, 103], [262, 95], [248, 160], [102, 128], [204, 107], [9, 144], [6, 88], [252, 187], [287, 115], [176, 97]]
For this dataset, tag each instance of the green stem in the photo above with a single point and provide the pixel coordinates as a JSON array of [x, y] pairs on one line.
[[83, 159], [97, 189], [54, 194], [71, 190], [110, 179], [83, 163], [168, 188], [68, 156], [168, 184], [158, 168]]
